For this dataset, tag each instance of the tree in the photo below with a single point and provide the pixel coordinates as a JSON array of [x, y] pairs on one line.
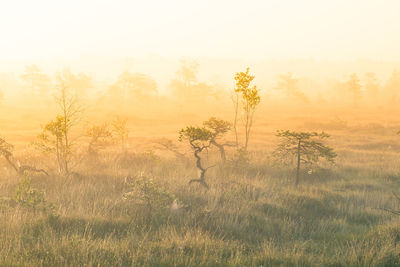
[[147, 192], [371, 86], [170, 146], [199, 139], [79, 83], [51, 141], [289, 85], [37, 81], [186, 87], [100, 137], [188, 72], [392, 86], [235, 101], [250, 100], [354, 87], [306, 147], [133, 85], [218, 129], [121, 131], [6, 150], [55, 136]]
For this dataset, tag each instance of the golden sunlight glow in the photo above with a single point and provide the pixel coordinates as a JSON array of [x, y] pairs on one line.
[[48, 29]]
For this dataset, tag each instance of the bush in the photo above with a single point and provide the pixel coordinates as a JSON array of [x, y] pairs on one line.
[[146, 192], [29, 197]]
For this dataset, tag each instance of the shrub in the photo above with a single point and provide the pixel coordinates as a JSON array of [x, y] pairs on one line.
[[144, 191]]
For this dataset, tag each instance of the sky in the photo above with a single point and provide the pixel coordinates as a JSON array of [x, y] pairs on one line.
[[277, 29]]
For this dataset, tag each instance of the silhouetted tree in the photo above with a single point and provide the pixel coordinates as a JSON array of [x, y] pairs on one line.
[[371, 86], [188, 72], [306, 147], [354, 88], [78, 84], [187, 89], [120, 131], [199, 139], [169, 145], [100, 137], [37, 81], [289, 85], [392, 86], [6, 150], [133, 85], [250, 99], [218, 129]]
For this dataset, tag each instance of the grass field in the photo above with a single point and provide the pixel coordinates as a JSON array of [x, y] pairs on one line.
[[251, 216]]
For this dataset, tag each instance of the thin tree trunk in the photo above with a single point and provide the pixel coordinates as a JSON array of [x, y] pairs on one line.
[[236, 105], [221, 150], [66, 149], [60, 167], [201, 179], [298, 163]]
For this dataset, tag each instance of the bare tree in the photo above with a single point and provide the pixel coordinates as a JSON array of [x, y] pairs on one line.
[[6, 151], [169, 145]]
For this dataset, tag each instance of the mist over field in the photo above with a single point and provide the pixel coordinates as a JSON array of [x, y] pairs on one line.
[[199, 133]]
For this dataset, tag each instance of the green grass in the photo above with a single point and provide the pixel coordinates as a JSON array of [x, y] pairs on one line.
[[251, 216]]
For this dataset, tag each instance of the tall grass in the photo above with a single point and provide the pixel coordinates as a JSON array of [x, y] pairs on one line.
[[251, 216]]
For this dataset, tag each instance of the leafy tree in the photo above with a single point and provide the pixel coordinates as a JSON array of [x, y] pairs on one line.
[[306, 147], [147, 192], [250, 99], [354, 87], [51, 140], [56, 135], [199, 139], [218, 129], [29, 197], [289, 85]]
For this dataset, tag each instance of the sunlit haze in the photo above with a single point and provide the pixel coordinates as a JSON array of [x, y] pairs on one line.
[[336, 30]]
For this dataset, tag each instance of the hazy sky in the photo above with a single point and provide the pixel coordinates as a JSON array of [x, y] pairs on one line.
[[320, 29]]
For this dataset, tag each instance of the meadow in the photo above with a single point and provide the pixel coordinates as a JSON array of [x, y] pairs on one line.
[[252, 215]]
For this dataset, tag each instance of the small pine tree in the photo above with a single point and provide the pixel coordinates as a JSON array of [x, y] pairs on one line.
[[306, 147]]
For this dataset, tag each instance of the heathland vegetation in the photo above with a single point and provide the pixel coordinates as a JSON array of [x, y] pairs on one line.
[[203, 176]]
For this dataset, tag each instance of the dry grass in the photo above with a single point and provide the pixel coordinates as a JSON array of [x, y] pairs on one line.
[[251, 216]]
